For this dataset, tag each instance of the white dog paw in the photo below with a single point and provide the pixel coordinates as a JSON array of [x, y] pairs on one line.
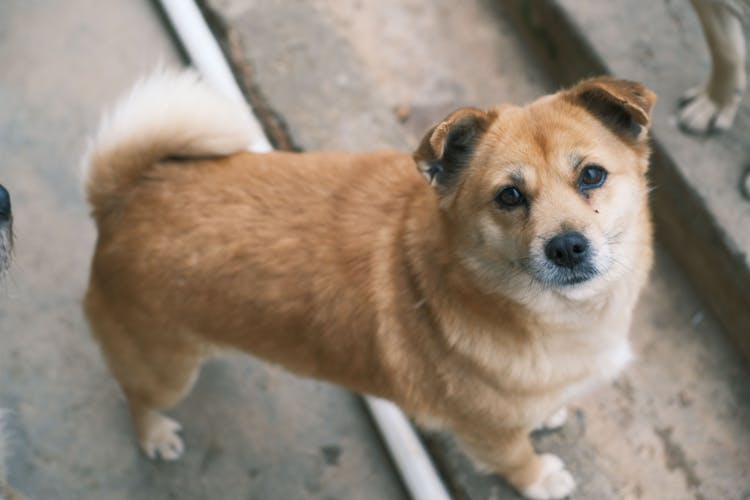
[[556, 420], [161, 439], [554, 480], [701, 114]]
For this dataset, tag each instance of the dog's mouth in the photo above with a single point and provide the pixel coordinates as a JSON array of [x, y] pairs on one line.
[[551, 276], [573, 278], [566, 278]]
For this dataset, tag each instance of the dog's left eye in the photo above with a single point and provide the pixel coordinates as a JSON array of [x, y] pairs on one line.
[[510, 197], [592, 176]]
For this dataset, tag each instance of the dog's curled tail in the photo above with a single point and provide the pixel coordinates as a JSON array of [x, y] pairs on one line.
[[168, 114]]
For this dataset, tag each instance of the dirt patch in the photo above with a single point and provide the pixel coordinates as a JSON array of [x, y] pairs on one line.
[[675, 459]]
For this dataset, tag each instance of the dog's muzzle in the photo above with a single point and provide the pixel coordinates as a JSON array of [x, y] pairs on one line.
[[6, 229], [568, 259]]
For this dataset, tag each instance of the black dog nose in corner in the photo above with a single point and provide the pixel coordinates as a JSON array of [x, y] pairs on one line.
[[567, 249], [4, 203]]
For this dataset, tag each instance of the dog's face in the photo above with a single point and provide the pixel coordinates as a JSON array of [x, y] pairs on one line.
[[6, 229], [547, 197]]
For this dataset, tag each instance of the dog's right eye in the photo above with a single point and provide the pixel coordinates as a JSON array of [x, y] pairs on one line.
[[510, 197]]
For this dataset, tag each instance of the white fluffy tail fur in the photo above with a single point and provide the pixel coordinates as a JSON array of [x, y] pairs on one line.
[[167, 114]]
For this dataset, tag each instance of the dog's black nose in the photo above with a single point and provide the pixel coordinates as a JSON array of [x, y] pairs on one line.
[[567, 249], [4, 203]]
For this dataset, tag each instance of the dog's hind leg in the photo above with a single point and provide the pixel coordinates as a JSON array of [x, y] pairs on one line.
[[155, 371], [715, 104]]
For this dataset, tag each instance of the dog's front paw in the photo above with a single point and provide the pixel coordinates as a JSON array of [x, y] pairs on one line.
[[554, 480], [701, 114], [161, 439]]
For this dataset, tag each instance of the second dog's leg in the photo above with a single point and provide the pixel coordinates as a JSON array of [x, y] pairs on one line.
[[714, 105]]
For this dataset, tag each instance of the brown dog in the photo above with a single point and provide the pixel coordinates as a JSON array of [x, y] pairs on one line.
[[480, 283]]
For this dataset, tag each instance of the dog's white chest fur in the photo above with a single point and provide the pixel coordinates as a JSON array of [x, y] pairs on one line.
[[570, 374], [603, 367]]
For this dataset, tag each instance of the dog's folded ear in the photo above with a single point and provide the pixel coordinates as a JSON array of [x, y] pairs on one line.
[[622, 105], [448, 147]]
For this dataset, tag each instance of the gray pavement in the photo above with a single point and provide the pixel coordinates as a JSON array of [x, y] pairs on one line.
[[345, 75], [252, 431]]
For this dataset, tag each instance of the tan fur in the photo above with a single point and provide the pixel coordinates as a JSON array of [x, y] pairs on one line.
[[352, 269]]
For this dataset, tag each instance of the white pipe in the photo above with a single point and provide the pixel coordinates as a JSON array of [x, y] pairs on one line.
[[207, 57], [412, 460]]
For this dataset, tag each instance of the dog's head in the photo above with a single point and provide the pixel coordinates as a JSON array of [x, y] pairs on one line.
[[6, 229], [551, 196]]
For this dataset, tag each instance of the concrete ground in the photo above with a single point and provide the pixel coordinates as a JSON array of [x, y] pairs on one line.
[[342, 75], [251, 430]]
